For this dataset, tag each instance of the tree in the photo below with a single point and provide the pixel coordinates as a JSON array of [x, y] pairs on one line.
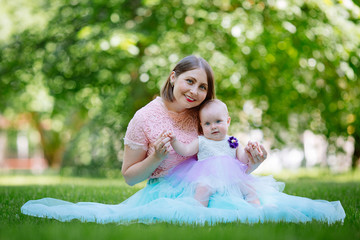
[[96, 62]]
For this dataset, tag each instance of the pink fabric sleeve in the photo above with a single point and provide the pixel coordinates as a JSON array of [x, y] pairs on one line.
[[135, 136]]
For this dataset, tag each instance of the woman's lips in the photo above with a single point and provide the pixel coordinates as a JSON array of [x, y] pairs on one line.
[[189, 99]]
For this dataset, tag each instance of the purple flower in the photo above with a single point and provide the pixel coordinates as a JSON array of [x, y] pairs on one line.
[[233, 142]]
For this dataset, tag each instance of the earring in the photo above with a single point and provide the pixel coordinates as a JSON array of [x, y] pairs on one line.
[[172, 84]]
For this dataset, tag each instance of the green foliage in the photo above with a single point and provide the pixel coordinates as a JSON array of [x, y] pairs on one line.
[[282, 67]]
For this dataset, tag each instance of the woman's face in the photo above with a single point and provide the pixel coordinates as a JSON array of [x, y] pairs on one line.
[[190, 88]]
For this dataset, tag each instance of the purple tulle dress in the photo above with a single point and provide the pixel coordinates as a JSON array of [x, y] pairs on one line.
[[249, 198]]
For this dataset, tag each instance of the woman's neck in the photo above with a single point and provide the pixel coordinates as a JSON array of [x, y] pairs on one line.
[[173, 106]]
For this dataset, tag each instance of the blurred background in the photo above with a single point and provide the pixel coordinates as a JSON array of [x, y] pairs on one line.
[[73, 73]]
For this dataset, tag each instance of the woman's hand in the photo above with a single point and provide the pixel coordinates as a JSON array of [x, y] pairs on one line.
[[256, 154], [138, 166], [161, 146], [171, 135]]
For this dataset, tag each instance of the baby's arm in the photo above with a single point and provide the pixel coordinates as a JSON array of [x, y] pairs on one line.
[[246, 155], [183, 149], [241, 155]]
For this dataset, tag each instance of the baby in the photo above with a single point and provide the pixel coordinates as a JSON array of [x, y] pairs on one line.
[[216, 147]]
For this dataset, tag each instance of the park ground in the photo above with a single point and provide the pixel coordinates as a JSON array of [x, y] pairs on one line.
[[16, 189]]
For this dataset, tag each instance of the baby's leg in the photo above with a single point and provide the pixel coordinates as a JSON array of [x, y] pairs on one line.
[[250, 194], [202, 194], [252, 198]]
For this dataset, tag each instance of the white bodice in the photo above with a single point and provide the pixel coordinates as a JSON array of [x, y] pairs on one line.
[[211, 148]]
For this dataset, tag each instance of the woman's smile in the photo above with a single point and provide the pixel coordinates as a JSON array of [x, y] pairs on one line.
[[190, 99]]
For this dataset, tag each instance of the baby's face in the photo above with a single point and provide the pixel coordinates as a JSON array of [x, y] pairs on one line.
[[214, 121]]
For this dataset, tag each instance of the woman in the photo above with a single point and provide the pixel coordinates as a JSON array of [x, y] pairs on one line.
[[148, 155], [168, 198]]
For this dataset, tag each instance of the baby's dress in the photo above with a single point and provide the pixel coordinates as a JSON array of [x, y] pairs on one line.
[[217, 170], [232, 191], [168, 197]]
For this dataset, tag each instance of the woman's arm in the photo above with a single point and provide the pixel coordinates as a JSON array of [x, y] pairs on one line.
[[137, 167]]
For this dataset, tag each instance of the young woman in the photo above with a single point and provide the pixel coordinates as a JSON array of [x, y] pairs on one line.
[[148, 155]]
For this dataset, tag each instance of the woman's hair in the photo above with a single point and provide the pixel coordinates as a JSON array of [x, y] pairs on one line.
[[187, 64]]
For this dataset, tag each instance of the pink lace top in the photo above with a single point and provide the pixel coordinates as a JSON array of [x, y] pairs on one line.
[[150, 121]]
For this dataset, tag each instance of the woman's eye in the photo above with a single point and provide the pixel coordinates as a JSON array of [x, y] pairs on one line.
[[189, 80], [207, 123], [203, 87], [218, 121]]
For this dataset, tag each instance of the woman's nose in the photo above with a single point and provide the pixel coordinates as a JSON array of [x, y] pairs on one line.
[[193, 90]]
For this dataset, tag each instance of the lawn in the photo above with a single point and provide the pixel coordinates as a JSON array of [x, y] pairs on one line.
[[16, 190]]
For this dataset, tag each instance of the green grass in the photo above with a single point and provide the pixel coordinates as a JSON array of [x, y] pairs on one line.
[[16, 190]]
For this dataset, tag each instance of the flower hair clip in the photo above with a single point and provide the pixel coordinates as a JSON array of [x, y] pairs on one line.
[[233, 142]]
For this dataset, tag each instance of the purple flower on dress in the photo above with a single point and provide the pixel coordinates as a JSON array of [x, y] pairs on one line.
[[233, 142]]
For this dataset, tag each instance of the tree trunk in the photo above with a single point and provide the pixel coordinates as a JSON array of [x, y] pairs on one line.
[[53, 154], [356, 156], [51, 142]]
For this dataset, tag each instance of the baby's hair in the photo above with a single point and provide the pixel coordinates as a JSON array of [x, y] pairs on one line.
[[187, 64], [213, 101]]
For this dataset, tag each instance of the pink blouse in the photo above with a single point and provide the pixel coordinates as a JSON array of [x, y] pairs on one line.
[[150, 121]]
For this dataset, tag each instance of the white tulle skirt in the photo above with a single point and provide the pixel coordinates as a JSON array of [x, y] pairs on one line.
[[171, 199]]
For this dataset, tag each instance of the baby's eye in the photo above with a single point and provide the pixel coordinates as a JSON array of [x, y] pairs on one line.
[[207, 123], [218, 121]]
